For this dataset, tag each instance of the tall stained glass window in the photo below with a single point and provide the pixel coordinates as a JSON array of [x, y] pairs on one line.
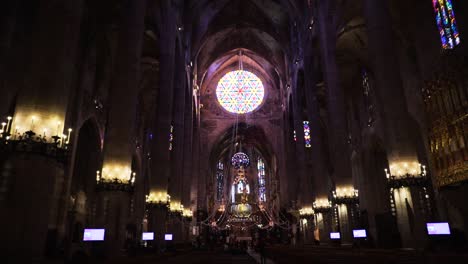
[[307, 134], [219, 180], [240, 92], [171, 137], [261, 180], [445, 18]]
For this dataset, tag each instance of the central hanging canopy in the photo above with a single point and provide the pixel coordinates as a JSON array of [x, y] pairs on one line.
[[240, 92]]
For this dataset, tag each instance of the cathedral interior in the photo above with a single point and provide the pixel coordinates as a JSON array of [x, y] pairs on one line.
[[226, 131]]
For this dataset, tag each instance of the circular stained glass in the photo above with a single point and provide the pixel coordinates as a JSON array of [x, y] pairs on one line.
[[240, 92], [240, 159]]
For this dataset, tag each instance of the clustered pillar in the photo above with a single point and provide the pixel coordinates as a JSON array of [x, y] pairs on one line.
[[41, 104], [398, 128], [337, 117], [320, 179], [178, 141], [116, 179], [162, 124]]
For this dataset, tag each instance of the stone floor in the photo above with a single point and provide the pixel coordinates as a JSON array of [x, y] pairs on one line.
[[330, 255], [195, 257], [294, 255]]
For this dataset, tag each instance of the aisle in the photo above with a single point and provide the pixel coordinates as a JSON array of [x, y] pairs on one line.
[[205, 257]]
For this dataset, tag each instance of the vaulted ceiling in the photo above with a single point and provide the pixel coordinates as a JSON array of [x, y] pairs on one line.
[[259, 27]]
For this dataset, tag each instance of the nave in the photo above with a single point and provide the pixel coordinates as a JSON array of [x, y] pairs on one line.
[[312, 126]]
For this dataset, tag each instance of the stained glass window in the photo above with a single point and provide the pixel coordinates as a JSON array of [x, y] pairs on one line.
[[261, 180], [365, 82], [445, 17], [219, 180], [294, 135], [307, 134], [171, 137], [367, 97], [240, 159], [240, 92]]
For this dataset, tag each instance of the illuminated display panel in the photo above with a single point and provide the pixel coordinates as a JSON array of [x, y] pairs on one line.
[[90, 234]]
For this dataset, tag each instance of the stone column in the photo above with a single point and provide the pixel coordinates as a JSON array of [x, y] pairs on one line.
[[304, 194], [398, 129], [187, 181], [8, 21], [177, 169], [319, 171], [340, 156], [44, 84], [117, 178], [160, 153], [188, 146]]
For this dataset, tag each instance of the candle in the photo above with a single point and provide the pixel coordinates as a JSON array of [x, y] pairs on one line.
[[69, 132], [3, 126], [44, 130], [8, 123], [32, 122], [63, 139]]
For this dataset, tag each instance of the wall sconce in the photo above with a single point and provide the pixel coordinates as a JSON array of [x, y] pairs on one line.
[[159, 198], [345, 195], [322, 205], [405, 174], [115, 178], [187, 214], [306, 212], [22, 140]]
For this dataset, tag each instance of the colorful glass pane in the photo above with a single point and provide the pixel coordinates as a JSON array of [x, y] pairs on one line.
[[171, 137], [261, 180], [240, 159], [446, 23], [240, 92], [307, 134], [219, 180]]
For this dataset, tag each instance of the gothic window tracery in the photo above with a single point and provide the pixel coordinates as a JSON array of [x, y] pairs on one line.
[[240, 92], [240, 159]]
